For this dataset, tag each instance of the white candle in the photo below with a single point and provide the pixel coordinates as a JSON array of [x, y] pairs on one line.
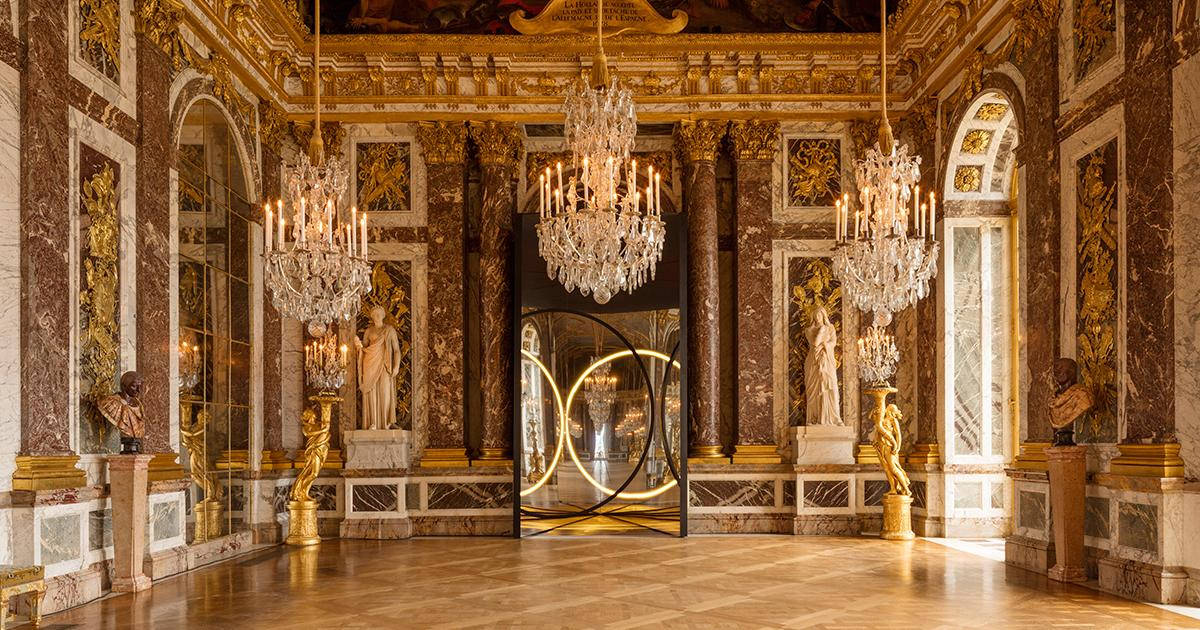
[[363, 241], [658, 192], [586, 179], [267, 225], [932, 215], [280, 231], [558, 193], [303, 220], [633, 175]]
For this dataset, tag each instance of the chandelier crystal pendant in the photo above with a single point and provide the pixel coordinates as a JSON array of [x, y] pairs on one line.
[[885, 254], [320, 274], [325, 364], [599, 231], [877, 356]]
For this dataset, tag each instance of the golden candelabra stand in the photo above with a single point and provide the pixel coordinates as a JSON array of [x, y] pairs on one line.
[[897, 503], [208, 512], [302, 509]]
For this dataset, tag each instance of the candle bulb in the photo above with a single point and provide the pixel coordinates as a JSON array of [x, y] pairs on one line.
[[281, 231], [267, 225], [353, 229], [658, 193], [343, 354], [303, 221]]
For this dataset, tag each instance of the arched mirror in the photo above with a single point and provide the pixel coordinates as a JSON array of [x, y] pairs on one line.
[[214, 321]]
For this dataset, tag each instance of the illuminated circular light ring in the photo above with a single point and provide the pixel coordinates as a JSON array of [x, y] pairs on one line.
[[636, 496], [558, 447]]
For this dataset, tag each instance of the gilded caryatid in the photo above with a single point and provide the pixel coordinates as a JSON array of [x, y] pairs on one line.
[[316, 448], [378, 364], [887, 443]]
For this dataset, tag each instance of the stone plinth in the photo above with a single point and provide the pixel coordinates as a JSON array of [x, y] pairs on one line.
[[377, 449], [127, 483], [823, 444], [897, 517], [1067, 466]]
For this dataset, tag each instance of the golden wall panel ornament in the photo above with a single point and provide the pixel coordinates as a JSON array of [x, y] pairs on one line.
[[812, 285], [542, 84], [442, 142], [499, 142], [159, 21], [579, 17], [99, 295], [224, 86], [1033, 21], [100, 35], [391, 289], [383, 176], [991, 112], [1097, 252], [754, 139], [921, 121], [651, 84], [1095, 34], [814, 171], [968, 179], [698, 140], [977, 141]]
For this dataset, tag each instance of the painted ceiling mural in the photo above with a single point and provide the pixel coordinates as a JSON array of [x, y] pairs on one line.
[[483, 17]]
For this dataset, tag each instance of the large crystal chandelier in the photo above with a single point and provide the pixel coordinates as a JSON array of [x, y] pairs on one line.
[[599, 231], [321, 273], [600, 392], [885, 255]]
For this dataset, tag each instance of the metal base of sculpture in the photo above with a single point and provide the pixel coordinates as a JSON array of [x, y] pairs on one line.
[[897, 503], [897, 518], [302, 510]]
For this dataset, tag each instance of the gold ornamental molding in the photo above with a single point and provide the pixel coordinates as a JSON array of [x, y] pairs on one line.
[[754, 139], [866, 455], [756, 454], [47, 472], [499, 142], [1147, 460], [445, 458], [698, 140], [443, 142], [924, 454], [163, 467], [579, 17], [1032, 457]]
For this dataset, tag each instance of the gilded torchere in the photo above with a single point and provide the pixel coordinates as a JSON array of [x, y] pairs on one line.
[[302, 509], [207, 511], [897, 503]]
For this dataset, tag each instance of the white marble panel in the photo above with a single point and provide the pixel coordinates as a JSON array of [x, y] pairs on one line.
[[392, 132], [1186, 241], [366, 497], [291, 387], [121, 93], [10, 277], [166, 526]]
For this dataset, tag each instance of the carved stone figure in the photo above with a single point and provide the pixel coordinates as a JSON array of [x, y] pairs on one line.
[[1071, 400], [123, 410], [378, 364], [823, 404]]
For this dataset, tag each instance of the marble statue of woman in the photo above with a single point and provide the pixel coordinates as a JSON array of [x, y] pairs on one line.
[[820, 371], [378, 364]]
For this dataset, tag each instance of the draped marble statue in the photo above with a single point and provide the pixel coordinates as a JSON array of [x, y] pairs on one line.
[[378, 364], [823, 405]]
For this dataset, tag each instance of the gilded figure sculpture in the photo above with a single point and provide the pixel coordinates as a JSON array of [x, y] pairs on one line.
[[192, 430], [887, 443], [316, 448], [1071, 400], [123, 410]]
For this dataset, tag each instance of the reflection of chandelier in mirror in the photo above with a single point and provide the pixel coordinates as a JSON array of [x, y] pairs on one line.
[[599, 392], [598, 232], [886, 257], [322, 275], [189, 366]]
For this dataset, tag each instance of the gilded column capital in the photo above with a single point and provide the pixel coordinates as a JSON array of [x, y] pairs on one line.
[[698, 140], [158, 21], [443, 142], [754, 139], [272, 124], [499, 142]]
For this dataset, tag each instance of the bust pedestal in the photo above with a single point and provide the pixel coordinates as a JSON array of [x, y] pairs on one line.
[[823, 444], [376, 448], [1067, 466], [127, 484]]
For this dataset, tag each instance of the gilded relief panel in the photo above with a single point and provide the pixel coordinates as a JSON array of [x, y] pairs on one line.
[[1097, 252], [99, 295], [811, 285], [814, 168], [391, 288], [100, 35], [383, 176], [1095, 34]]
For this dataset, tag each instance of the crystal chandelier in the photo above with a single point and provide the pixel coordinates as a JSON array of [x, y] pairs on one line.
[[322, 273], [877, 356], [325, 364], [600, 392], [190, 366], [599, 232], [885, 256]]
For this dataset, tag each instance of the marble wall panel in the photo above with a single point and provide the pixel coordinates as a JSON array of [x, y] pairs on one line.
[[100, 529], [1137, 526], [10, 273], [1186, 244], [459, 496], [446, 313], [723, 493], [164, 520], [789, 493], [873, 491], [325, 494], [1096, 517], [968, 495], [390, 176], [919, 494], [704, 305], [1031, 510], [279, 498], [112, 74], [754, 394], [826, 493], [59, 538], [374, 498]]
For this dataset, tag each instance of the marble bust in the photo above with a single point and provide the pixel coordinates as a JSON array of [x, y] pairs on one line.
[[1071, 400], [378, 364], [123, 410], [823, 404]]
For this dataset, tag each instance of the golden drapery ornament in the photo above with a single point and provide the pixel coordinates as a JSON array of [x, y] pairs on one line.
[[1097, 251], [442, 142], [888, 440], [754, 139], [99, 35], [814, 171], [100, 334], [383, 176], [977, 141]]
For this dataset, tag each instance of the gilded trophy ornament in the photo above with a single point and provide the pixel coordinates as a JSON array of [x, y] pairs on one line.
[[754, 139]]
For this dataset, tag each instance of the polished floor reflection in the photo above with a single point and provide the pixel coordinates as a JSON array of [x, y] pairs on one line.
[[617, 582]]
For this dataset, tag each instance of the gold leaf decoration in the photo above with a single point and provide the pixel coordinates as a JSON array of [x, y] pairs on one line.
[[1095, 34], [814, 171], [1097, 253], [991, 112], [977, 141], [383, 176], [813, 285], [391, 282], [99, 328], [968, 179], [100, 35]]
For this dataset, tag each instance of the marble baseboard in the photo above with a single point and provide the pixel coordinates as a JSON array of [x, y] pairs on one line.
[[1191, 592], [376, 528], [165, 563], [928, 526], [1144, 582], [983, 527], [222, 548], [872, 524], [826, 525], [732, 523], [462, 525], [1029, 554], [327, 527], [72, 589], [266, 533]]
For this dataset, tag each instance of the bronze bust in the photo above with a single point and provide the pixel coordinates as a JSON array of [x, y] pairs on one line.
[[1071, 400], [124, 411]]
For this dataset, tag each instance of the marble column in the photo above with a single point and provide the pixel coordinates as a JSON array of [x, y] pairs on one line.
[[499, 145], [755, 143], [698, 143], [443, 146], [154, 351], [45, 227]]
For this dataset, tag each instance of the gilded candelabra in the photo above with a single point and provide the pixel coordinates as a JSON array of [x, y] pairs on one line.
[[208, 512], [897, 503], [302, 509]]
